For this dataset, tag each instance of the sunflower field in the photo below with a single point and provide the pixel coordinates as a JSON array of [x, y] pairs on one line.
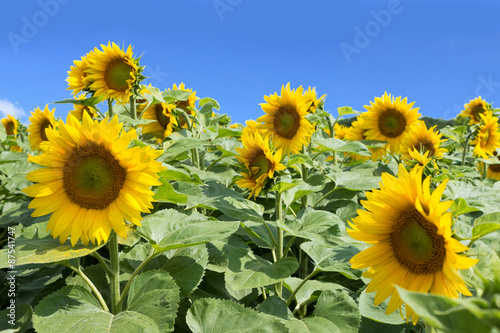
[[147, 210]]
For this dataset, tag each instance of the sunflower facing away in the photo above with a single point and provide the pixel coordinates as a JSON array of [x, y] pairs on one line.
[[191, 101], [78, 80], [10, 124], [488, 138], [285, 120], [113, 72], [80, 109], [39, 121], [311, 97], [389, 119], [474, 109], [412, 243], [259, 160], [92, 182], [423, 140], [164, 122]]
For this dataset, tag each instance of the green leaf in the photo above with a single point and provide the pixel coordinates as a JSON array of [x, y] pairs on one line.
[[339, 308], [213, 315], [74, 309], [368, 309], [460, 207], [176, 148], [166, 193], [16, 318], [205, 100], [186, 266], [91, 101], [450, 315], [155, 294], [176, 95], [3, 134], [332, 259], [355, 182], [486, 224], [247, 270], [179, 175], [169, 229], [275, 306], [240, 209], [312, 325], [283, 186], [311, 289], [219, 250], [36, 246], [345, 110], [332, 144], [300, 159]]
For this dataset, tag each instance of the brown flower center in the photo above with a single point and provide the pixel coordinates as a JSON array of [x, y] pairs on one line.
[[416, 243], [117, 74], [260, 160], [476, 111], [92, 177], [391, 123], [45, 124], [160, 116], [287, 122], [424, 146]]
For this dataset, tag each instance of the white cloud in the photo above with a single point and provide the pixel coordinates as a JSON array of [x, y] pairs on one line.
[[7, 107]]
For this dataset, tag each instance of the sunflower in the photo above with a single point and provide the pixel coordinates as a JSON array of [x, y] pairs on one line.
[[356, 133], [164, 122], [10, 124], [285, 119], [92, 182], [78, 80], [423, 140], [412, 244], [39, 121], [340, 131], [80, 109], [259, 161], [487, 139], [389, 119], [113, 72], [191, 101], [493, 170], [311, 97], [251, 127], [474, 109]]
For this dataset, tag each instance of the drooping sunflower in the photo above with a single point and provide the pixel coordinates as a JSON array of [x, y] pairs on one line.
[[92, 182], [493, 170], [285, 120], [310, 96], [80, 109], [78, 80], [10, 124], [113, 72], [191, 101], [412, 241], [487, 139], [422, 139], [390, 119], [164, 122], [260, 162], [474, 109], [39, 121]]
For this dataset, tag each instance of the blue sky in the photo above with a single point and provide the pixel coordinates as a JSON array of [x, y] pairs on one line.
[[439, 55]]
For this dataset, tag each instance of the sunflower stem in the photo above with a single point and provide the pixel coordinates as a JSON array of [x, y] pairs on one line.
[[307, 278], [331, 127], [279, 244], [110, 108], [133, 113], [115, 267], [466, 146], [89, 283], [305, 174], [104, 265]]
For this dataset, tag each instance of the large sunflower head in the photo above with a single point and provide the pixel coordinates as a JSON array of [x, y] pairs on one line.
[[113, 72], [78, 80], [81, 109], [39, 121], [410, 230], [260, 162], [487, 139], [164, 120], [10, 124], [423, 140], [311, 98], [474, 109], [92, 182], [285, 119], [390, 119]]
